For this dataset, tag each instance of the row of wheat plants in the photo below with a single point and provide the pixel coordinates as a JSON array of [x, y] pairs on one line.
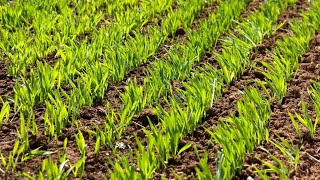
[[163, 142], [32, 30], [158, 81], [286, 147], [239, 135], [44, 84]]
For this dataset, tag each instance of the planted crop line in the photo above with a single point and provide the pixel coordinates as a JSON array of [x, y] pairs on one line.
[[241, 133], [40, 139], [280, 124], [138, 25], [116, 22], [139, 73], [96, 113], [131, 143], [51, 77], [175, 120], [262, 52], [155, 129], [68, 49], [43, 29], [155, 81], [225, 105], [140, 120], [181, 36], [126, 130], [93, 82], [142, 71]]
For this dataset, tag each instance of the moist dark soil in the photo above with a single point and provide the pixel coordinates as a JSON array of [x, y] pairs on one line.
[[50, 59], [6, 82], [8, 133], [225, 106]]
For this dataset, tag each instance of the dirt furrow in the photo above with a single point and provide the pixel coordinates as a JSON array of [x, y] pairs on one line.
[[7, 131], [225, 106], [6, 82]]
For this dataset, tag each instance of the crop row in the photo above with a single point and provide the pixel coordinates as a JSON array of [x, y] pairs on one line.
[[26, 95], [47, 85], [241, 133], [225, 105], [35, 29], [61, 112], [163, 142], [59, 33], [176, 66], [292, 152], [79, 78], [238, 134], [40, 87]]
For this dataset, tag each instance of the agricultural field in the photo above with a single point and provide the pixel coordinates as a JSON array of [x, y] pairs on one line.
[[160, 89]]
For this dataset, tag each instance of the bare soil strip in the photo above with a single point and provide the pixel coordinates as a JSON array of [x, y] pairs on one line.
[[6, 82], [6, 93], [8, 133], [225, 106]]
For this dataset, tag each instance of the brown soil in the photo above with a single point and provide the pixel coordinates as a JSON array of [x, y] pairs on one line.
[[225, 106], [6, 82], [280, 123], [50, 59], [8, 133]]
